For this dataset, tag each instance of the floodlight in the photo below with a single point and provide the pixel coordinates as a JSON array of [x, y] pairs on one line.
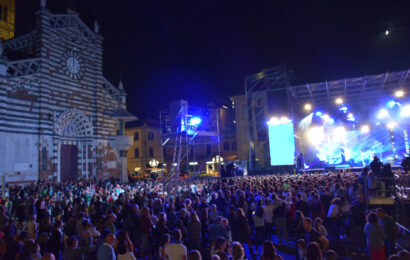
[[339, 100], [195, 121], [318, 113], [391, 103], [315, 135], [308, 107], [399, 93], [365, 128], [391, 125], [405, 111], [344, 109], [284, 119], [383, 113]]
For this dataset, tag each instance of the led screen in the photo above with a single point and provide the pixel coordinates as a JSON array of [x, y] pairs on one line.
[[281, 144]]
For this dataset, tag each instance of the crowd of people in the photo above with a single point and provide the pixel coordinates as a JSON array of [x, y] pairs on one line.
[[203, 219]]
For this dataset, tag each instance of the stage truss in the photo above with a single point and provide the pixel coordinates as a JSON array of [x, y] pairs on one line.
[[182, 137], [352, 90], [257, 86]]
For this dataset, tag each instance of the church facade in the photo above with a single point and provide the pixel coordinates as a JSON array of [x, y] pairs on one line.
[[56, 107]]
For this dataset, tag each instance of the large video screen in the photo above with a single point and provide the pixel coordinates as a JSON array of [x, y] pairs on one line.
[[281, 144], [356, 148]]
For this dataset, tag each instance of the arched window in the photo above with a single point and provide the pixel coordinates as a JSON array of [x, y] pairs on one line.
[[5, 13]]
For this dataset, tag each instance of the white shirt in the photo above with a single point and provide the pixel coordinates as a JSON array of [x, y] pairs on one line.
[[176, 251], [268, 212], [126, 256]]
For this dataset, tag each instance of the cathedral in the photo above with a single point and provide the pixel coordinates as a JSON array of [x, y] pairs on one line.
[[60, 118]]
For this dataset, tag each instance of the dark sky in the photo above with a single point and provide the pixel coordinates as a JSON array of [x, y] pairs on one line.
[[201, 50]]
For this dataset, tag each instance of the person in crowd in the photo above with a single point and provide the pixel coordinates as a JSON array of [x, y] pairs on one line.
[[301, 249], [371, 183], [312, 235], [269, 251], [176, 250], [313, 251], [318, 225], [164, 243], [194, 232], [194, 255], [259, 221], [330, 255], [376, 165], [237, 251], [73, 252], [268, 213], [220, 248], [279, 217], [106, 250], [124, 252], [375, 236], [390, 229]]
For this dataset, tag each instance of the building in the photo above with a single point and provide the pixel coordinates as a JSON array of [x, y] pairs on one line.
[[145, 151], [261, 144], [58, 113], [7, 19]]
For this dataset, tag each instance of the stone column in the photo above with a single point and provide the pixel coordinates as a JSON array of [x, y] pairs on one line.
[[121, 144]]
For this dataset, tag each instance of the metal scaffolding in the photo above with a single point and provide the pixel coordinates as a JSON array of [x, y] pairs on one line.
[[182, 137], [257, 86]]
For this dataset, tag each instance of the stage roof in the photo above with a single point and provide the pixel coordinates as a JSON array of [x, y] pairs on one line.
[[352, 90]]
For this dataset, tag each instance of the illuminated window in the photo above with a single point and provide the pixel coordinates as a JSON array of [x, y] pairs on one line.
[[136, 136], [136, 153], [150, 136]]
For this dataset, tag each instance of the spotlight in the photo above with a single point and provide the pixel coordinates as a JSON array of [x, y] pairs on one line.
[[315, 135], [391, 125], [365, 128], [339, 133], [399, 93], [344, 109], [326, 117], [273, 121], [195, 121], [391, 103], [350, 117], [284, 120], [318, 113], [308, 107], [405, 111], [387, 32], [339, 101], [383, 113]]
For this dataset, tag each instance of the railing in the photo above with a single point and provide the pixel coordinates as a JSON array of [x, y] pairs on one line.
[[23, 67]]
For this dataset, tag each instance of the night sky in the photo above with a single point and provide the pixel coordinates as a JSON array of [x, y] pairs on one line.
[[202, 50]]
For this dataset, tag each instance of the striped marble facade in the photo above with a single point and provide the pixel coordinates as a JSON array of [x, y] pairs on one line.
[[44, 105]]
